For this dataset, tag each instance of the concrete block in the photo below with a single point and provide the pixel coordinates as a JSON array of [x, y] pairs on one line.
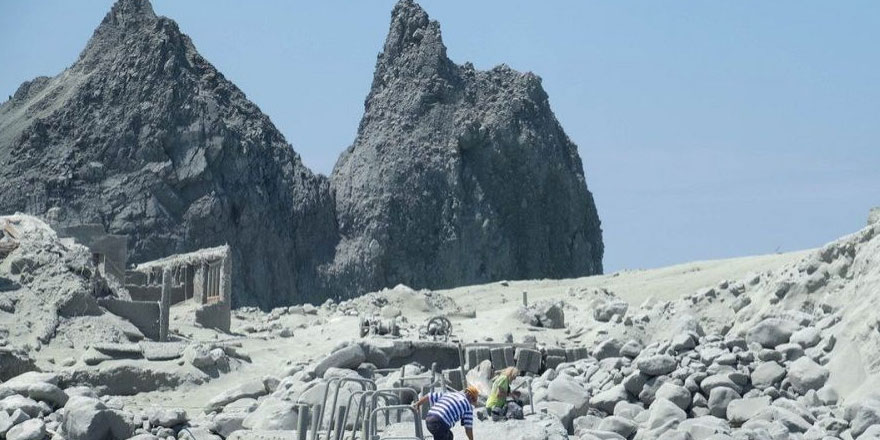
[[453, 377], [554, 351], [475, 355], [551, 362], [499, 360], [143, 314], [576, 354], [528, 360], [217, 316]]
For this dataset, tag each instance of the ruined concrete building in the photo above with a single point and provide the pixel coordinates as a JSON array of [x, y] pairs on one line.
[[203, 276]]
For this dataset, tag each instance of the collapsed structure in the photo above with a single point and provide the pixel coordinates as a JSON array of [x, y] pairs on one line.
[[203, 277]]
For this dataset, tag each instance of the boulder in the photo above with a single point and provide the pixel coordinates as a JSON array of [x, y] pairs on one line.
[[805, 374], [606, 400], [273, 414], [349, 357], [631, 349], [604, 310], [806, 337], [250, 389], [676, 394], [740, 411], [772, 332], [86, 418], [767, 374], [168, 417], [33, 429], [608, 348], [7, 421], [664, 413], [565, 412], [719, 399], [619, 425], [656, 365], [565, 388], [18, 402], [867, 414], [46, 392]]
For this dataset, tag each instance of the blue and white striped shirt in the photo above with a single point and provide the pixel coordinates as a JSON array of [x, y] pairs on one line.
[[452, 407]]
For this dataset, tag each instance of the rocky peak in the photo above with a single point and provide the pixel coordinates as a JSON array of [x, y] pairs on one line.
[[457, 175], [413, 48]]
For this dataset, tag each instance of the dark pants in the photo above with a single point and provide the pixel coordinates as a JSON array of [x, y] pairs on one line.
[[438, 428]]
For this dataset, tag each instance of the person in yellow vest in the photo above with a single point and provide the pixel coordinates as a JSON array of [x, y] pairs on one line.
[[496, 405]]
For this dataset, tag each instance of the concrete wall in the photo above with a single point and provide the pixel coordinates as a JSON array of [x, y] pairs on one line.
[[113, 247], [217, 316], [143, 314], [144, 293]]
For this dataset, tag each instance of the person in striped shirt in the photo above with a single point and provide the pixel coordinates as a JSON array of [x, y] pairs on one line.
[[449, 408]]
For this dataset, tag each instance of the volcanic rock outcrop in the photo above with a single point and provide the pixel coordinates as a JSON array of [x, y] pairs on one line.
[[457, 175], [145, 136]]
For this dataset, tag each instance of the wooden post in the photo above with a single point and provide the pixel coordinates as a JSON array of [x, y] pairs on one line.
[[165, 305], [525, 298]]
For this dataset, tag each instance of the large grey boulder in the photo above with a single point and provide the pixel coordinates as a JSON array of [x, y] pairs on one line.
[[348, 357], [656, 365], [272, 414], [18, 402], [566, 389], [805, 374], [867, 414], [606, 400], [772, 332], [87, 418], [47, 392], [619, 425], [719, 399], [252, 388], [458, 176], [33, 429], [740, 411], [664, 414], [676, 394], [563, 411], [767, 374]]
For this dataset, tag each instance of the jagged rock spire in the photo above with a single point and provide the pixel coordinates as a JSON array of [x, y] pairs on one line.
[[413, 47]]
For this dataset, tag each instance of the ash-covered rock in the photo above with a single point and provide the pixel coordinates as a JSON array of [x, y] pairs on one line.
[[458, 176]]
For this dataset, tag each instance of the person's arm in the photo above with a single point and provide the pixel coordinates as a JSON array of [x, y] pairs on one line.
[[467, 420], [421, 401]]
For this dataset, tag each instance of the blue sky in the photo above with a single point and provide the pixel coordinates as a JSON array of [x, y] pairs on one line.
[[707, 129]]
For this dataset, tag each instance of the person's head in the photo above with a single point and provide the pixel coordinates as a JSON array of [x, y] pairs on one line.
[[472, 393], [510, 372]]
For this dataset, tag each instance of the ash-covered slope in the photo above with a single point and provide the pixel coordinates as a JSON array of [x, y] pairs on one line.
[[457, 175], [144, 135]]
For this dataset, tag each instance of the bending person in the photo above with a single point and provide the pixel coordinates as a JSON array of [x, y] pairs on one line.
[[497, 402], [449, 408]]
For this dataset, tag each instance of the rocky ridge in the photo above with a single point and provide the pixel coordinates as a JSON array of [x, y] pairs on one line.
[[457, 176]]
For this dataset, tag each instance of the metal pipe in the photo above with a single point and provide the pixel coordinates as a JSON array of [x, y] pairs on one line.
[[417, 421], [340, 427], [461, 366], [302, 421], [316, 421]]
